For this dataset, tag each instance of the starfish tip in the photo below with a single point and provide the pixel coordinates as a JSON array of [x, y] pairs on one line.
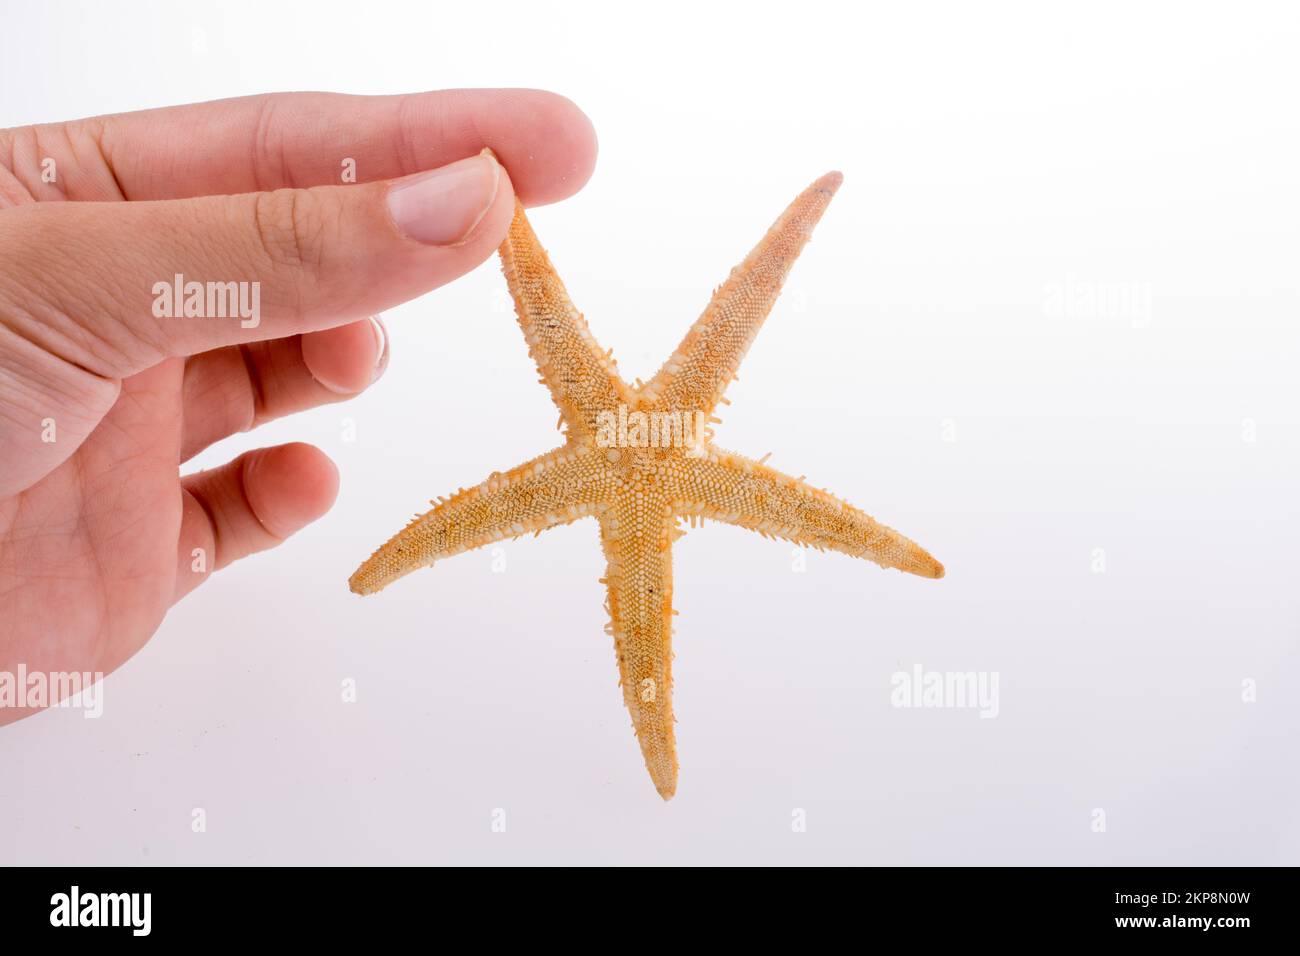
[[831, 181], [928, 567]]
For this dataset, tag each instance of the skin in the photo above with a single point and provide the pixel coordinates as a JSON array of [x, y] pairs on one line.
[[98, 528]]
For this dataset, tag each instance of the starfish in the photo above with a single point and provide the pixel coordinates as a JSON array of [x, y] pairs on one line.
[[617, 466]]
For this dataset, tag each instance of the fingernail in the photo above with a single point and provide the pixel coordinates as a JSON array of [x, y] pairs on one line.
[[442, 207], [381, 347]]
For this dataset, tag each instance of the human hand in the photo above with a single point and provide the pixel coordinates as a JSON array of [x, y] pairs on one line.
[[106, 388]]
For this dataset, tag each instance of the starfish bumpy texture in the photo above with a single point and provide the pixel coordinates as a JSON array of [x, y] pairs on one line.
[[617, 467]]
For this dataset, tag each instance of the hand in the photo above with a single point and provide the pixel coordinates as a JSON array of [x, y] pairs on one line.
[[107, 387]]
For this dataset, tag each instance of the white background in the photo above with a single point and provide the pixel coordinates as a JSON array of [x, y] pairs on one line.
[[997, 162]]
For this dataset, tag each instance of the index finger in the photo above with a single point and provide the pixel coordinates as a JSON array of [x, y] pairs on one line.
[[271, 141]]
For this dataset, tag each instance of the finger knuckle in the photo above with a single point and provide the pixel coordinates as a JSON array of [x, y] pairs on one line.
[[289, 224]]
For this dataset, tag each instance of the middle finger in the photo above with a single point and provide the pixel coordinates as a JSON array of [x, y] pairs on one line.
[[238, 387]]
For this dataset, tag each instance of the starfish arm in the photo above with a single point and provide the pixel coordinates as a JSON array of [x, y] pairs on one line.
[[582, 378], [556, 488], [704, 364], [734, 489], [637, 532]]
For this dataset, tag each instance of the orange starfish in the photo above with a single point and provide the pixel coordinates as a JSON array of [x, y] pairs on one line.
[[638, 460]]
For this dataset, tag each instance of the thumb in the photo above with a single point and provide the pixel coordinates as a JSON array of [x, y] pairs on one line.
[[115, 287]]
